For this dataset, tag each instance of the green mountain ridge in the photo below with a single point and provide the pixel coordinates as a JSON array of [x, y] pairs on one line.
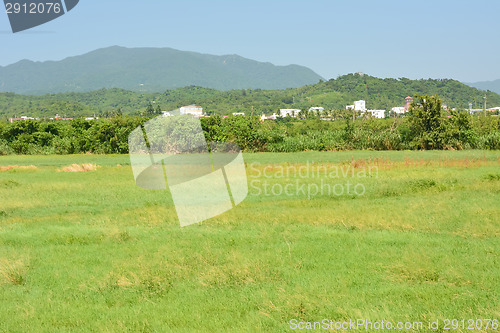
[[149, 70], [334, 94]]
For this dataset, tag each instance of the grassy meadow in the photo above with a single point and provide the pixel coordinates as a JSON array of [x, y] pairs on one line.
[[393, 236]]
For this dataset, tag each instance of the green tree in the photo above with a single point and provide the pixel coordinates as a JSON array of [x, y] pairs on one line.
[[212, 128], [150, 110], [460, 132], [426, 122]]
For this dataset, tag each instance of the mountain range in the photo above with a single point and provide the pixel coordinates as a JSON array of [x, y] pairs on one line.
[[152, 70], [487, 85], [149, 70]]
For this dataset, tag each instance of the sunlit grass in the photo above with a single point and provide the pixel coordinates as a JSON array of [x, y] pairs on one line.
[[90, 251]]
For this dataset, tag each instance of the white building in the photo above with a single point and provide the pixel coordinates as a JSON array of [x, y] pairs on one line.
[[194, 110], [272, 117], [360, 105], [377, 113], [166, 114], [357, 106], [289, 112], [238, 113], [398, 109], [317, 109], [476, 110]]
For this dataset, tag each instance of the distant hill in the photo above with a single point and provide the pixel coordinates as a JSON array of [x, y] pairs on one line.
[[332, 95], [389, 92], [149, 70], [487, 85]]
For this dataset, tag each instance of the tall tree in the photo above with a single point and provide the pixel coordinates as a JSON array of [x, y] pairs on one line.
[[426, 122]]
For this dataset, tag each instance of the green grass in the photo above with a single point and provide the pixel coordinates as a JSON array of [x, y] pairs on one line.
[[91, 251]]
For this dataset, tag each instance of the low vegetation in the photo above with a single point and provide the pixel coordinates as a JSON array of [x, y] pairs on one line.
[[427, 126], [417, 240]]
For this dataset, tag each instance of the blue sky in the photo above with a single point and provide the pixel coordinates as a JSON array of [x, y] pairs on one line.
[[415, 39]]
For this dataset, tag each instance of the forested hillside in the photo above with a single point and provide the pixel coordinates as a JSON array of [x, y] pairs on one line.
[[334, 94]]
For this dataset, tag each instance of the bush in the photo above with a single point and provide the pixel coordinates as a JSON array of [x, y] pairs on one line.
[[5, 148], [425, 128], [488, 141]]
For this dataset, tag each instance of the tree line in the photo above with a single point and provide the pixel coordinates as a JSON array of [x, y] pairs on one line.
[[426, 126], [335, 94]]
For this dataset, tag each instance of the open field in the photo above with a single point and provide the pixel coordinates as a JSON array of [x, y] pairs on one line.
[[393, 236]]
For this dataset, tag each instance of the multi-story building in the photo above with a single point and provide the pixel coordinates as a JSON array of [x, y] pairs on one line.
[[289, 112], [357, 106], [377, 113], [194, 110], [399, 109]]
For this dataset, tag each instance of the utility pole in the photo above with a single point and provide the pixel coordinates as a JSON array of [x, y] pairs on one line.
[[485, 104]]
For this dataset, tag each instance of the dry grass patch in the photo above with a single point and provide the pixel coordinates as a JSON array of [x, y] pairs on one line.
[[79, 168], [408, 163], [145, 283], [21, 167], [12, 272]]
